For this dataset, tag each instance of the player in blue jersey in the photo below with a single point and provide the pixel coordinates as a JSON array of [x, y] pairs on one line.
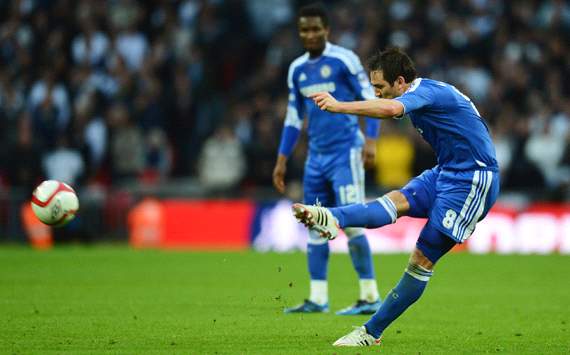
[[453, 196], [334, 173]]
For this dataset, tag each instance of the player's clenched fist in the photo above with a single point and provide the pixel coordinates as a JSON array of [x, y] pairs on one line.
[[325, 101]]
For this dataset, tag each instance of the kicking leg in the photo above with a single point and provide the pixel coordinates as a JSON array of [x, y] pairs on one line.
[[431, 246], [328, 221], [414, 200], [374, 214]]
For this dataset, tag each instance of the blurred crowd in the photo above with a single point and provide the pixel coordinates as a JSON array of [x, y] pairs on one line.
[[115, 91]]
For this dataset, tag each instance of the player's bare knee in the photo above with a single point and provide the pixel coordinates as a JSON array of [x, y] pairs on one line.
[[400, 201], [418, 258], [419, 267]]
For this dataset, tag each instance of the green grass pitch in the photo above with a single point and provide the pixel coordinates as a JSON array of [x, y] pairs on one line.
[[116, 300]]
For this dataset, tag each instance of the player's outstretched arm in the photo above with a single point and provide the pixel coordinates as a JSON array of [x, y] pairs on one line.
[[378, 108]]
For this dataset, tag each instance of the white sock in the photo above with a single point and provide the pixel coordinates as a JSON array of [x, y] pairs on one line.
[[369, 290], [319, 292]]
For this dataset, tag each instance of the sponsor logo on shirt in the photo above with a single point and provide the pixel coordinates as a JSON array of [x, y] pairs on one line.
[[322, 87]]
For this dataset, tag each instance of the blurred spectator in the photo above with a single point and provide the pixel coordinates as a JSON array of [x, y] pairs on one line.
[[64, 163], [545, 148], [23, 161], [90, 46], [181, 105], [127, 144], [90, 133], [148, 106], [242, 120], [12, 103], [261, 152], [268, 15], [49, 104], [523, 173], [553, 13], [222, 162], [158, 157], [131, 45]]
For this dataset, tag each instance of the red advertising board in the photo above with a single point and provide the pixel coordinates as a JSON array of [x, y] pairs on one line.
[[207, 224]]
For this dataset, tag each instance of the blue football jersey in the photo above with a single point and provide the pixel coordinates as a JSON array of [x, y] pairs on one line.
[[338, 71], [451, 124]]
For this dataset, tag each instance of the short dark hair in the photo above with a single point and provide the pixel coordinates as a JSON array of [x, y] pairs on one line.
[[393, 62], [314, 10]]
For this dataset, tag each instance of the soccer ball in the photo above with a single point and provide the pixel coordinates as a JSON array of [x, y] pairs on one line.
[[54, 203]]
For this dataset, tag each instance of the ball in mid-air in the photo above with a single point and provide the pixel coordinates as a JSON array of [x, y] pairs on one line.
[[54, 203]]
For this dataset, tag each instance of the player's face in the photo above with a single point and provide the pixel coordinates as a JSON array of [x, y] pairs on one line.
[[383, 89], [313, 34]]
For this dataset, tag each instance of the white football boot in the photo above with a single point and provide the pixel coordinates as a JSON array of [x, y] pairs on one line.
[[317, 218], [358, 337]]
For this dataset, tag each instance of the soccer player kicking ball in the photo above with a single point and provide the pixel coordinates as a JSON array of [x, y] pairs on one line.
[[453, 196]]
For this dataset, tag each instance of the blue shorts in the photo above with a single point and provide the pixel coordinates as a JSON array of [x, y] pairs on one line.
[[453, 201], [335, 179]]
